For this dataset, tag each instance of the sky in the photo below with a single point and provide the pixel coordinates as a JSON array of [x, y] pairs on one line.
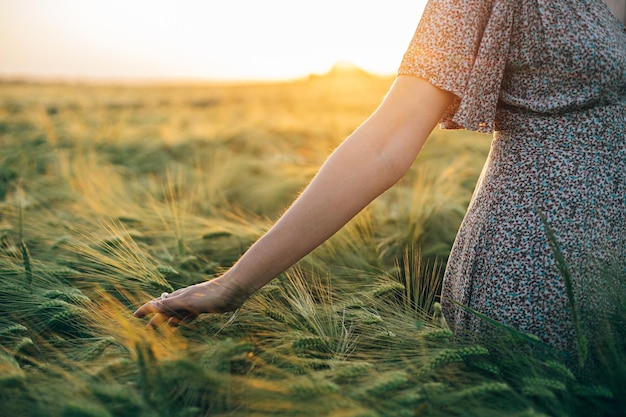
[[201, 39]]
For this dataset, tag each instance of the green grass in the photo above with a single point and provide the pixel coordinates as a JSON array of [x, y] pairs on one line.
[[110, 195]]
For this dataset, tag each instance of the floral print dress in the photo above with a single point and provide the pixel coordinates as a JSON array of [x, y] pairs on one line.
[[548, 78]]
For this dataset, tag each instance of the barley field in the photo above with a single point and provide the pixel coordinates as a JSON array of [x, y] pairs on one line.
[[112, 194]]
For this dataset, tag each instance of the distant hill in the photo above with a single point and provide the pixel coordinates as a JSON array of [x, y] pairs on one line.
[[344, 71]]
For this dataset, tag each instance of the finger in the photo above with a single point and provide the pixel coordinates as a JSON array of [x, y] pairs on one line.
[[174, 305], [180, 320], [174, 322], [148, 308], [156, 305], [157, 320]]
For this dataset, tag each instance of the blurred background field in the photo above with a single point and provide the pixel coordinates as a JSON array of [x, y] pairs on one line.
[[111, 194]]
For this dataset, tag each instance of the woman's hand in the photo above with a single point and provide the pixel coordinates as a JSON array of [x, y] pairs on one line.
[[215, 296]]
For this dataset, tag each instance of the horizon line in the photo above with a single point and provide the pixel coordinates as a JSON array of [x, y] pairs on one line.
[[24, 78]]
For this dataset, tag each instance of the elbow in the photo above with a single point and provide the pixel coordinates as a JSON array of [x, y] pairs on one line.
[[395, 154], [394, 147], [394, 167]]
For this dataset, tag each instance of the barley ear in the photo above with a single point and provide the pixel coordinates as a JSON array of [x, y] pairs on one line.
[[28, 271]]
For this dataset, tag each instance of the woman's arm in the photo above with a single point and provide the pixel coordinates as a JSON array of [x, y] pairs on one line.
[[366, 164], [373, 158]]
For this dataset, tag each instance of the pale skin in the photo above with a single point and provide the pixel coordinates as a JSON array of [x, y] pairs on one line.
[[372, 159]]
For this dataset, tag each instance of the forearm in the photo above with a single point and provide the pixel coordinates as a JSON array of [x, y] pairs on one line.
[[350, 179]]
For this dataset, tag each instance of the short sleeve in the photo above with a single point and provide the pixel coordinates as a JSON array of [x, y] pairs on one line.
[[461, 46]]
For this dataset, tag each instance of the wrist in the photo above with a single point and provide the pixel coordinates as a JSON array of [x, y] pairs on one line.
[[229, 294]]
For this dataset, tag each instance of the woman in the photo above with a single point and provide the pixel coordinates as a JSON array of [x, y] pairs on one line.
[[548, 77]]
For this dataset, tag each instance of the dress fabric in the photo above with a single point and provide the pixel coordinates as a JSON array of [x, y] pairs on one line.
[[548, 79]]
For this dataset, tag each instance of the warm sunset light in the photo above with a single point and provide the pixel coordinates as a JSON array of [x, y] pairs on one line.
[[235, 39]]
